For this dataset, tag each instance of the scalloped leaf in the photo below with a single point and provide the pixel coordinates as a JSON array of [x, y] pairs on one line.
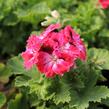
[[21, 81], [5, 73], [42, 88], [62, 94], [16, 64], [17, 67], [80, 98], [99, 57], [95, 94]]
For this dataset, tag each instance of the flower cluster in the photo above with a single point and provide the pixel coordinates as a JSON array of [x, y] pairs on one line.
[[54, 52], [104, 3]]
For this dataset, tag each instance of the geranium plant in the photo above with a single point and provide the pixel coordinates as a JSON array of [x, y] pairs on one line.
[[63, 61], [54, 53]]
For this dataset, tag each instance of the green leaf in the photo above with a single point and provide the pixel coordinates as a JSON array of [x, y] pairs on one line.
[[99, 57], [17, 67], [5, 73], [33, 14], [80, 98], [62, 94], [42, 88], [95, 94], [2, 99], [16, 64], [18, 103], [21, 81], [99, 92], [24, 79], [33, 73], [33, 99]]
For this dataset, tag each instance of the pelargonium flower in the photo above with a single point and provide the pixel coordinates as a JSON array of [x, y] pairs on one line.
[[54, 52], [104, 3]]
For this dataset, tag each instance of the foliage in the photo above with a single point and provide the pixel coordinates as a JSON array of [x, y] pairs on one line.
[[78, 89], [75, 89]]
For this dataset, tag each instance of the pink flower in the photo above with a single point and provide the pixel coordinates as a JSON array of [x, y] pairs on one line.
[[34, 43], [31, 53], [75, 41], [51, 64], [54, 53], [104, 3]]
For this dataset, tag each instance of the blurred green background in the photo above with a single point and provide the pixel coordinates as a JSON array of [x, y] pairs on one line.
[[20, 18]]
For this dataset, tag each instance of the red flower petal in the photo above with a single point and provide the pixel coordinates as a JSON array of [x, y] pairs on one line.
[[104, 3], [29, 59], [52, 65]]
